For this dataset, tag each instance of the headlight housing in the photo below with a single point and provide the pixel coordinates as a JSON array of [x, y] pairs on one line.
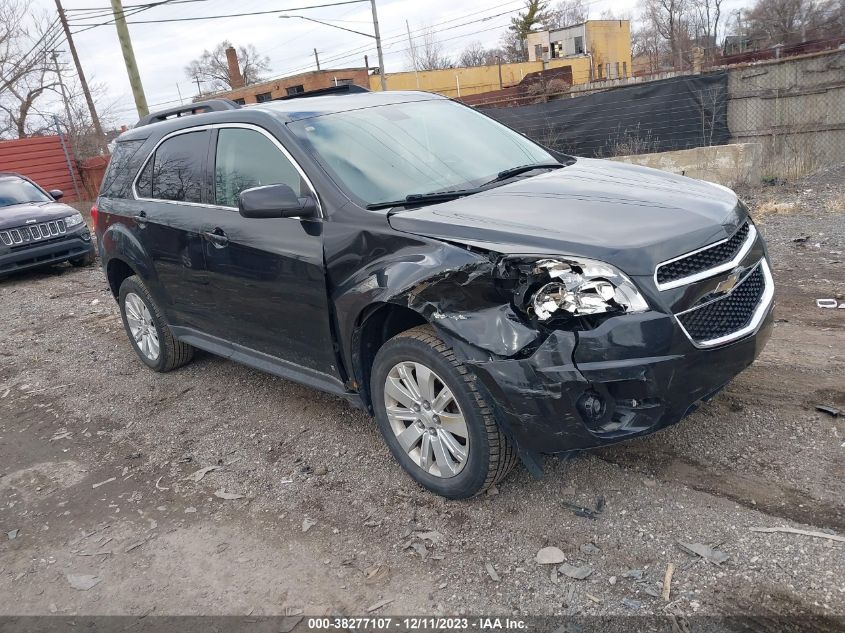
[[565, 286], [73, 220]]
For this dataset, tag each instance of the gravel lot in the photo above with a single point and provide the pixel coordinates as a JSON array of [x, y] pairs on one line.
[[97, 453]]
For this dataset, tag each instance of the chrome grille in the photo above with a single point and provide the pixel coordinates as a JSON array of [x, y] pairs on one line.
[[732, 315], [707, 261], [33, 233]]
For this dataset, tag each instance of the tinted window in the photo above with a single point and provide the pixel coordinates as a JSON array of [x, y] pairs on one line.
[[19, 191], [175, 171], [246, 158], [120, 170]]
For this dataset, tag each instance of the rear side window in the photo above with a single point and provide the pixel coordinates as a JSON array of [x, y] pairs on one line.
[[121, 169], [175, 172], [246, 158]]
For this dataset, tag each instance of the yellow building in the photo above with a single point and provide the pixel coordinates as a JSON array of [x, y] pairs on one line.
[[465, 81], [606, 44]]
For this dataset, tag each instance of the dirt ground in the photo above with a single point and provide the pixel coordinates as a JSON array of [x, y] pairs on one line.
[[100, 514]]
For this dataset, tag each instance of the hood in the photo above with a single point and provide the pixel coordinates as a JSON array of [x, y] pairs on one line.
[[633, 217], [18, 214]]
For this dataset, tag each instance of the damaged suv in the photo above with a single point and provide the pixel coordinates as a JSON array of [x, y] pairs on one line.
[[486, 299]]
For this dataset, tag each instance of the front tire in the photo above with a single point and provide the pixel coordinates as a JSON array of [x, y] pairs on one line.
[[148, 332], [433, 418]]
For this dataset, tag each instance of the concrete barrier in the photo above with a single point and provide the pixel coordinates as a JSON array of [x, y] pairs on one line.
[[729, 165]]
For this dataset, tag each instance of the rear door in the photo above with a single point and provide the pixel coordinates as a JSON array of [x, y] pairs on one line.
[[171, 193], [267, 275]]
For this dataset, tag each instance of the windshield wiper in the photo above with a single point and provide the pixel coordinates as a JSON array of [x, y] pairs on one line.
[[422, 198], [521, 169]]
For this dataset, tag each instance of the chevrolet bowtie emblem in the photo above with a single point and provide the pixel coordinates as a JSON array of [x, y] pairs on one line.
[[726, 285]]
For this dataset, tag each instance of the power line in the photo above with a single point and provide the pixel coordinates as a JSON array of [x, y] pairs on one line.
[[230, 15]]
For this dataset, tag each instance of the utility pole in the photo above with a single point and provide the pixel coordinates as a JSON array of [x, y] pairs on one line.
[[317, 59], [129, 58], [70, 124], [68, 162], [499, 62], [199, 87], [413, 50], [95, 120], [383, 79]]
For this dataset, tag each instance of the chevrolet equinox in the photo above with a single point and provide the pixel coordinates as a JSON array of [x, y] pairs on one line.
[[486, 299]]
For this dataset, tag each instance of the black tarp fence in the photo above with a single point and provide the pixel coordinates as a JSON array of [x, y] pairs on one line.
[[658, 116]]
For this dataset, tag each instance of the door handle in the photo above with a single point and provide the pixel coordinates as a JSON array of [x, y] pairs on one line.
[[216, 237]]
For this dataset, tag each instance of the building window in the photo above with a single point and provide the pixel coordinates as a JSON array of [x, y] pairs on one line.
[[538, 52], [342, 82], [579, 45], [263, 96], [624, 69], [295, 90], [240, 101], [599, 72]]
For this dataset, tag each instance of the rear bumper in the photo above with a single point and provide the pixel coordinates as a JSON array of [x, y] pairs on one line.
[[631, 376], [74, 244]]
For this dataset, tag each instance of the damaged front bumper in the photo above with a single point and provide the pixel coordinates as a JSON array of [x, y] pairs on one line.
[[631, 375]]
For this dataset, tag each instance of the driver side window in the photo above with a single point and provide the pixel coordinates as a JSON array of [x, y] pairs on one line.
[[246, 158]]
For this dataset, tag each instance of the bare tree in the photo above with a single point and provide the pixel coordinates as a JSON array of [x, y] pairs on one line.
[[647, 46], [212, 67], [705, 16], [667, 18], [614, 14], [567, 13], [476, 55], [24, 71], [82, 136], [428, 54], [791, 21]]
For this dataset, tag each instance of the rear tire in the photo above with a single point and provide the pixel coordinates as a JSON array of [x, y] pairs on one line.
[[147, 330], [465, 426], [85, 260]]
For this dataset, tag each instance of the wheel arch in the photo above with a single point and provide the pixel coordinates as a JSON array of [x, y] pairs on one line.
[[122, 252], [117, 271], [377, 324]]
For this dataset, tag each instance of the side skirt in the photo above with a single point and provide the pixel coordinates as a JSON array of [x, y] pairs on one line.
[[265, 362]]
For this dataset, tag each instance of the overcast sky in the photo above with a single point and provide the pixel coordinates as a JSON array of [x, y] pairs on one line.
[[163, 50]]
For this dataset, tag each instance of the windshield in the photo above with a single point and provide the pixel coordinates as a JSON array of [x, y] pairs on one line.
[[18, 191], [389, 152]]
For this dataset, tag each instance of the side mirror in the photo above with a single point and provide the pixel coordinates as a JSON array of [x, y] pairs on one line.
[[275, 201], [56, 193]]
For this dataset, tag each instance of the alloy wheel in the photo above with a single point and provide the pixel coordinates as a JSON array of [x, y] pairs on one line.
[[426, 419], [141, 325]]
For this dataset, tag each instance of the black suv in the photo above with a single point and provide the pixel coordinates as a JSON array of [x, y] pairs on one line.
[[36, 230], [485, 298]]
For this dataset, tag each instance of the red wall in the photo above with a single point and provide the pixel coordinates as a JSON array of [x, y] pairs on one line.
[[41, 158]]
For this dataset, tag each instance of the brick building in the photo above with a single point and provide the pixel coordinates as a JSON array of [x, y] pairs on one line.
[[283, 86]]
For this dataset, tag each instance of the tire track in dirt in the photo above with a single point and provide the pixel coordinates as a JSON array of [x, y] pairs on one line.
[[756, 493]]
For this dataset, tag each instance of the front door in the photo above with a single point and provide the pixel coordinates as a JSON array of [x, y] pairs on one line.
[[267, 275]]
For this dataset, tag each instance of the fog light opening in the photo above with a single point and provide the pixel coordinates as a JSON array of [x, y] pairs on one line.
[[592, 407]]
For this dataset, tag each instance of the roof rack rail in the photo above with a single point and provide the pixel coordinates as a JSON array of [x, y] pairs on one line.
[[212, 105], [345, 89]]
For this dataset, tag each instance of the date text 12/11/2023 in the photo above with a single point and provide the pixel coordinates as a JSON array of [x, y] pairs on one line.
[[416, 623]]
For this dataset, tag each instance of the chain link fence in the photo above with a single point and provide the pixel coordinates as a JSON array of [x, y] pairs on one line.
[[794, 108]]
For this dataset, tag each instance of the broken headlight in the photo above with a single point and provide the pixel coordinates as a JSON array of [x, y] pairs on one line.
[[575, 287]]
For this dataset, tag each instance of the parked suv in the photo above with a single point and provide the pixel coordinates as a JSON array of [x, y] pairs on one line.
[[483, 297], [36, 230]]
